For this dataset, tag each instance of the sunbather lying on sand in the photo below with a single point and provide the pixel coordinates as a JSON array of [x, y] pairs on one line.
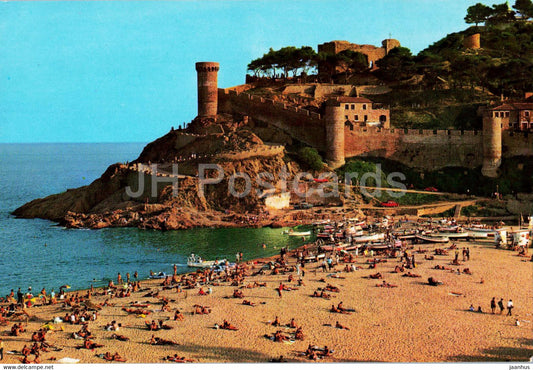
[[120, 337], [89, 344], [340, 326], [227, 326], [386, 285], [433, 282], [116, 357], [156, 341], [176, 358]]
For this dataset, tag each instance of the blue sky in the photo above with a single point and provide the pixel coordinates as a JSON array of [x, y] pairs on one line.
[[123, 71]]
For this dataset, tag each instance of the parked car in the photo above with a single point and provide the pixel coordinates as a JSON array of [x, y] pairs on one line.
[[303, 206], [431, 189], [389, 203]]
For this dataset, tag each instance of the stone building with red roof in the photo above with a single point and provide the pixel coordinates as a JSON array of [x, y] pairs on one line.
[[514, 115]]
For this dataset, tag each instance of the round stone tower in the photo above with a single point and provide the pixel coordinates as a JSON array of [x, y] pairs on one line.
[[207, 88], [389, 44], [472, 41], [334, 119], [492, 145]]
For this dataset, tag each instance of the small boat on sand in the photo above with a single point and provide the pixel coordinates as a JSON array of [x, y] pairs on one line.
[[450, 235], [433, 239], [369, 238]]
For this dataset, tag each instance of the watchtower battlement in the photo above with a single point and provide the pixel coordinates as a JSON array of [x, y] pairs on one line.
[[207, 73]]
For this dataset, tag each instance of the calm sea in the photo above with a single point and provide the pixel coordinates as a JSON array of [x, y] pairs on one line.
[[39, 254]]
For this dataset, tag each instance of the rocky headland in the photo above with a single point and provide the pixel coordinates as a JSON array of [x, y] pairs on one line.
[[127, 196]]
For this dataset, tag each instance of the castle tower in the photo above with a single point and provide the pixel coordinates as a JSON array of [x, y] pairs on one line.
[[492, 144], [207, 88], [472, 41], [389, 44], [334, 134]]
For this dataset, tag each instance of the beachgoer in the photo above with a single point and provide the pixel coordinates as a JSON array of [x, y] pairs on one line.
[[20, 297], [340, 326], [471, 308], [500, 305], [1, 349], [493, 305], [509, 307]]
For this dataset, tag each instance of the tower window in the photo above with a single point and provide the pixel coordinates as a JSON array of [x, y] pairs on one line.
[[353, 106], [364, 106], [526, 113], [356, 117], [496, 114], [346, 106], [346, 117], [506, 114], [366, 117]]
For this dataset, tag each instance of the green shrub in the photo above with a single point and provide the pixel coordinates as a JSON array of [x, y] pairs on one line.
[[311, 158]]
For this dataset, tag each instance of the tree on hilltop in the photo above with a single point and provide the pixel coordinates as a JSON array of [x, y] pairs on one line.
[[478, 13], [501, 13], [525, 8], [353, 60], [397, 65], [287, 60]]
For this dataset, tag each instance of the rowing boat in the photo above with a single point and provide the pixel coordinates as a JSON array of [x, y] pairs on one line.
[[433, 239]]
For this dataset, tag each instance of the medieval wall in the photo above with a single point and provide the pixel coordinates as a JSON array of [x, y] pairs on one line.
[[372, 52], [517, 143], [425, 149], [306, 126]]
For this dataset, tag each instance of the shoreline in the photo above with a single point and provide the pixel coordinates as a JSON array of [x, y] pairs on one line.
[[402, 320]]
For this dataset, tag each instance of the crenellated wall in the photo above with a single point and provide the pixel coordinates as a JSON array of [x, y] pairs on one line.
[[423, 149], [306, 126]]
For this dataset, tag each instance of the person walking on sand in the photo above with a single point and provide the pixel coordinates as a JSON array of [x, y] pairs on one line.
[[1, 350], [468, 253], [493, 304], [20, 297], [509, 307], [500, 305]]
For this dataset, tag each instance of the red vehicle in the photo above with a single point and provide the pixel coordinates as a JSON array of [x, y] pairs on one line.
[[431, 189], [320, 180], [389, 203]]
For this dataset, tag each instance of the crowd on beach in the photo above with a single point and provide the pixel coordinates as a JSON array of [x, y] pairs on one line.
[[82, 309]]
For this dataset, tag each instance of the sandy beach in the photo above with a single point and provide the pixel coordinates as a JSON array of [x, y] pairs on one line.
[[413, 322]]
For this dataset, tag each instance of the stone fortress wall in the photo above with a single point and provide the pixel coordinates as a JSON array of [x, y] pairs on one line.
[[423, 149], [373, 53], [302, 124]]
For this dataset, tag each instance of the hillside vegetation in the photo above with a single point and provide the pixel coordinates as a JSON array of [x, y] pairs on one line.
[[443, 85]]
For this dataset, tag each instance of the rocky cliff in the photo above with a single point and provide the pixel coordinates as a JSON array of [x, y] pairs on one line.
[[160, 203]]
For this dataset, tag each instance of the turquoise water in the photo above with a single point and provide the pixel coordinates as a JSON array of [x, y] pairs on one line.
[[36, 253]]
